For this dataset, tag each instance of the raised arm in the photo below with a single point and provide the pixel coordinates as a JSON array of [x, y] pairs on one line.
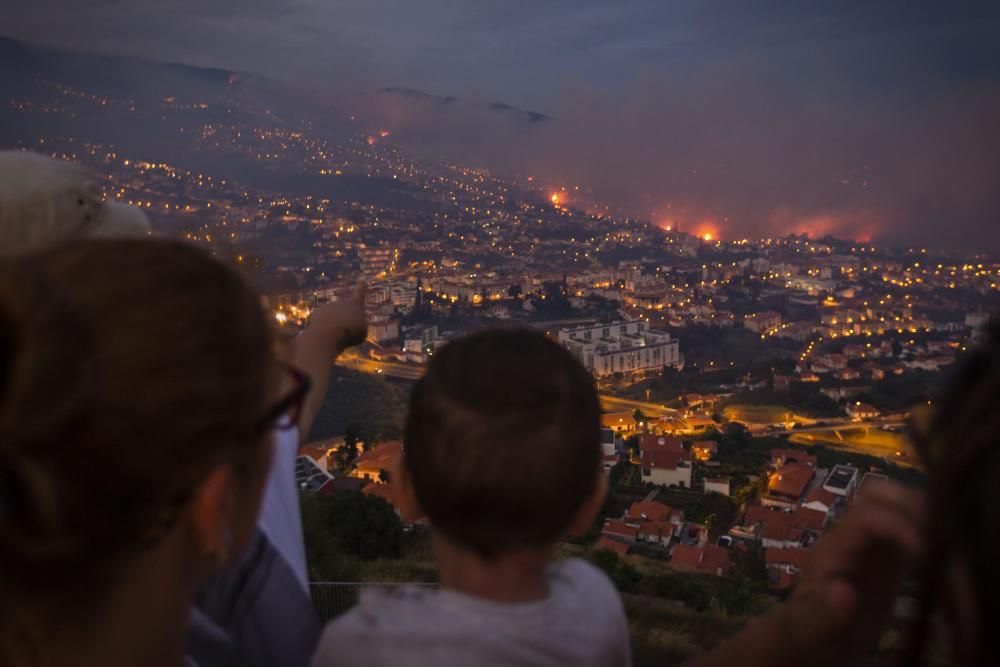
[[845, 597], [332, 329]]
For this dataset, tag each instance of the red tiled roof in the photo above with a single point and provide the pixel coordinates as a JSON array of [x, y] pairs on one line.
[[619, 527], [716, 558], [791, 480], [662, 460], [686, 556], [710, 558], [663, 443], [810, 519], [650, 510], [822, 495], [784, 526]]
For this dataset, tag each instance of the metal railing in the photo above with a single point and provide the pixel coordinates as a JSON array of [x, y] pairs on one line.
[[333, 598]]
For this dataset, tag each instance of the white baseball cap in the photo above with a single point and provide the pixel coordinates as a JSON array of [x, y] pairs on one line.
[[44, 201]]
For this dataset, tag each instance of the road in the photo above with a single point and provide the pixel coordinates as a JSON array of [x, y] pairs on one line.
[[413, 373], [805, 435]]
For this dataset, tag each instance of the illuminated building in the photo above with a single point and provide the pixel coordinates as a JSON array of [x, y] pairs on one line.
[[621, 347]]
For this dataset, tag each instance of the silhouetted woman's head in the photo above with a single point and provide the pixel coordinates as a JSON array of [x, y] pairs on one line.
[[134, 377], [960, 448]]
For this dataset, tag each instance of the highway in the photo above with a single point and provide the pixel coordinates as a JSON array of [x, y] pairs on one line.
[[806, 435], [412, 373]]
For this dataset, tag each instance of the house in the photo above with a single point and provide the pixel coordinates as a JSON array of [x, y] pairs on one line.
[[873, 370], [822, 500], [709, 558], [847, 374], [620, 422], [842, 481], [309, 476], [698, 422], [704, 450], [610, 443], [666, 468], [605, 542], [763, 322], [784, 566], [419, 343], [381, 457], [692, 400], [717, 485], [664, 443], [779, 529], [859, 411], [382, 329], [787, 486], [657, 523], [321, 451], [618, 529]]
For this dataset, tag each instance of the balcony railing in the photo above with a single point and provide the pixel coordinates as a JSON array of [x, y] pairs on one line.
[[333, 598]]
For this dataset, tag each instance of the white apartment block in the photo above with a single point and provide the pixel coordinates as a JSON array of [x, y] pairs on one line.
[[621, 347]]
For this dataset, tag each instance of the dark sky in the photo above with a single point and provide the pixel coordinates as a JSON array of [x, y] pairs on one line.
[[870, 118]]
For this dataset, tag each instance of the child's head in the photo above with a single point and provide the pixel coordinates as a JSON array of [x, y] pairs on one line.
[[502, 445]]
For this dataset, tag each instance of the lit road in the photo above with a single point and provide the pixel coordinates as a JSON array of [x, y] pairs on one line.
[[828, 434], [412, 372]]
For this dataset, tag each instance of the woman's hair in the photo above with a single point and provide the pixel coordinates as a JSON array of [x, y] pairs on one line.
[[44, 201], [128, 370], [960, 448]]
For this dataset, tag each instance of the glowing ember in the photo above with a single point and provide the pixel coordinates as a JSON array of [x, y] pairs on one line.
[[555, 198], [707, 236], [384, 133], [371, 141]]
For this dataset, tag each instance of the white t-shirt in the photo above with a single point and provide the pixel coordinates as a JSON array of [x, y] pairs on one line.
[[581, 623], [280, 513]]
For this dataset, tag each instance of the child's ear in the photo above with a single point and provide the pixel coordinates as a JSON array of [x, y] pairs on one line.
[[402, 491], [588, 511]]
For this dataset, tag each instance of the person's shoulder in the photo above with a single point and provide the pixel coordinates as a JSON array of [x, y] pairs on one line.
[[580, 578], [378, 614]]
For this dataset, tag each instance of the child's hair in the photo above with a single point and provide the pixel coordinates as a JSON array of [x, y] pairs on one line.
[[960, 449], [503, 440], [128, 370]]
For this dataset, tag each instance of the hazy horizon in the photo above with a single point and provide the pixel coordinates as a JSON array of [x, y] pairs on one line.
[[875, 122]]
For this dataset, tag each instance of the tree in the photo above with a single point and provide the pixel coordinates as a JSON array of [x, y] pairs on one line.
[[345, 456], [351, 436], [363, 526], [383, 475], [514, 291]]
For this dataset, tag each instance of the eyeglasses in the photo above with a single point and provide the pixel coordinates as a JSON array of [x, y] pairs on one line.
[[284, 414]]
